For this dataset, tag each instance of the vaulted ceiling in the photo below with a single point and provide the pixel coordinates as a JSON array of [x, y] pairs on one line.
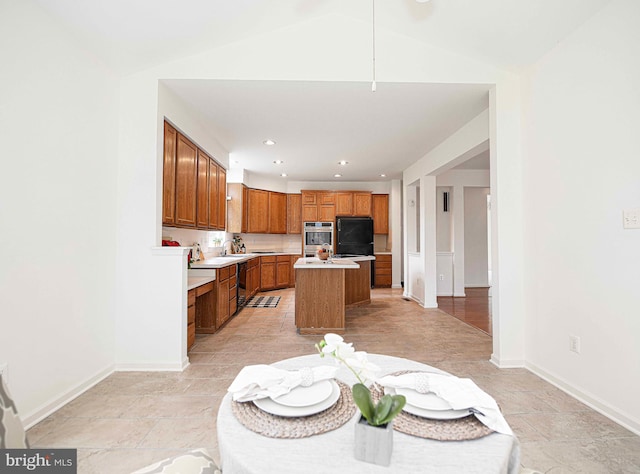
[[316, 124]]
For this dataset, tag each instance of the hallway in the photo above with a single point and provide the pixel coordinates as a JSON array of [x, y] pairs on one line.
[[474, 309]]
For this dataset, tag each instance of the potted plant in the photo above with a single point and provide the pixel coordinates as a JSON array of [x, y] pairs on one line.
[[374, 429]]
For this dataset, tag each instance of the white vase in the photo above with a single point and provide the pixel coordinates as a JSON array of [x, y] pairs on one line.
[[373, 443]]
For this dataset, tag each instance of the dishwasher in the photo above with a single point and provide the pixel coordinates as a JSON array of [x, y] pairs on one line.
[[241, 286]]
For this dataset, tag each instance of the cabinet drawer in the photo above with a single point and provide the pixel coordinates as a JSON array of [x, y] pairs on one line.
[[283, 258], [191, 314], [269, 259], [191, 297], [383, 264], [253, 262], [232, 270], [232, 281], [204, 289], [383, 281], [224, 273]]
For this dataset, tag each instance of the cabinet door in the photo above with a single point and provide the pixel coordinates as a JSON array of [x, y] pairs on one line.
[[277, 213], [245, 208], [292, 271], [344, 204], [294, 213], [169, 175], [213, 195], [186, 172], [222, 198], [202, 188], [309, 213], [283, 264], [327, 213], [223, 302], [258, 211], [362, 204], [267, 273], [380, 213]]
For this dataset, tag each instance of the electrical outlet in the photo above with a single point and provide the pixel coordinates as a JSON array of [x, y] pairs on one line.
[[574, 344], [631, 219], [441, 277]]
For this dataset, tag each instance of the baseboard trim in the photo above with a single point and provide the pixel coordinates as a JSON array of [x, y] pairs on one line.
[[397, 285], [591, 401], [507, 363], [44, 411], [152, 366]]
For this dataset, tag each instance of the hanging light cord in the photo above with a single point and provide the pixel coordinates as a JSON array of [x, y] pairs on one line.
[[373, 84]]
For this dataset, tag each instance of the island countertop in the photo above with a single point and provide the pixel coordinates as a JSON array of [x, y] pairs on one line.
[[315, 262]]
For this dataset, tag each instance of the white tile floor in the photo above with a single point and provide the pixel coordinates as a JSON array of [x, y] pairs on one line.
[[132, 419]]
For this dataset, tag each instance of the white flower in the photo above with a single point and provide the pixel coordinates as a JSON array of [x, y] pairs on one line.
[[361, 366], [344, 353]]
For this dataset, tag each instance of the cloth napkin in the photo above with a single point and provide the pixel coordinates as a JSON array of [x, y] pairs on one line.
[[459, 393], [262, 381]]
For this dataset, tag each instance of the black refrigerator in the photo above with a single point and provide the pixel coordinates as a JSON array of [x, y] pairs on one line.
[[354, 236]]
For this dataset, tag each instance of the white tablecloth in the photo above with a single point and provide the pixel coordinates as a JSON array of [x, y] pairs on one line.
[[243, 451]]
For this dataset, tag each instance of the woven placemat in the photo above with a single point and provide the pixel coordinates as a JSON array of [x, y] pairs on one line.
[[274, 426], [461, 429]]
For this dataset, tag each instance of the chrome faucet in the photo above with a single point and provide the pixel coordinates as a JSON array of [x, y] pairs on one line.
[[224, 249]]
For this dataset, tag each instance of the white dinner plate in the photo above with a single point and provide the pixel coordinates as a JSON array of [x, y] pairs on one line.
[[437, 414], [270, 406], [306, 396]]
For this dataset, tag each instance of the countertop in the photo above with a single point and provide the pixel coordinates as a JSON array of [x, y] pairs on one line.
[[315, 262], [196, 281], [219, 262]]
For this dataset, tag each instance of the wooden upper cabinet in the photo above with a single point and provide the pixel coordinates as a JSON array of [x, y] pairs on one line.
[[326, 206], [212, 220], [362, 204], [169, 175], [277, 213], [202, 187], [257, 211], [344, 204], [294, 213], [309, 206], [380, 205], [186, 174], [222, 198]]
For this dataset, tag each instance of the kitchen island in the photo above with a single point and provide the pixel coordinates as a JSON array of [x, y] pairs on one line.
[[324, 288]]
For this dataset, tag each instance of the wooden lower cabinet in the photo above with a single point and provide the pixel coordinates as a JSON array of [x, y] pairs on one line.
[[267, 273], [383, 271], [205, 308], [191, 319], [253, 277], [275, 272]]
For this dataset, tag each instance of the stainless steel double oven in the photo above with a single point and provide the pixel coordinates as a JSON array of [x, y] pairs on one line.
[[315, 235]]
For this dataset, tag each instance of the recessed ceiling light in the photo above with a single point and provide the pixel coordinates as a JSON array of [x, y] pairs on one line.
[[284, 175], [269, 141], [337, 175], [383, 175], [342, 162], [278, 162]]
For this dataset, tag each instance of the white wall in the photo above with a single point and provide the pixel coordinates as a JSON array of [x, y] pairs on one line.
[[58, 128], [581, 144], [476, 258]]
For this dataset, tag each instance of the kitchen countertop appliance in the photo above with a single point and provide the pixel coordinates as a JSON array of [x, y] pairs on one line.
[[354, 236], [316, 234]]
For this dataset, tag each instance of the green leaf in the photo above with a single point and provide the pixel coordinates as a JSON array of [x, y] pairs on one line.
[[362, 397], [382, 410], [397, 404]]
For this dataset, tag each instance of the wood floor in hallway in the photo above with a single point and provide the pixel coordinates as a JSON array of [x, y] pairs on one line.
[[473, 309]]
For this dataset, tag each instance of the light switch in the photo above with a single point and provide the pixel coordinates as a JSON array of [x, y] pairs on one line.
[[631, 219]]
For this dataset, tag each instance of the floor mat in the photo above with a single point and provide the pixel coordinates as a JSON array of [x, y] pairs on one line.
[[263, 302]]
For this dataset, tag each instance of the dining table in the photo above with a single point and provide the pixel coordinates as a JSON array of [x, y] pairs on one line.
[[247, 451]]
